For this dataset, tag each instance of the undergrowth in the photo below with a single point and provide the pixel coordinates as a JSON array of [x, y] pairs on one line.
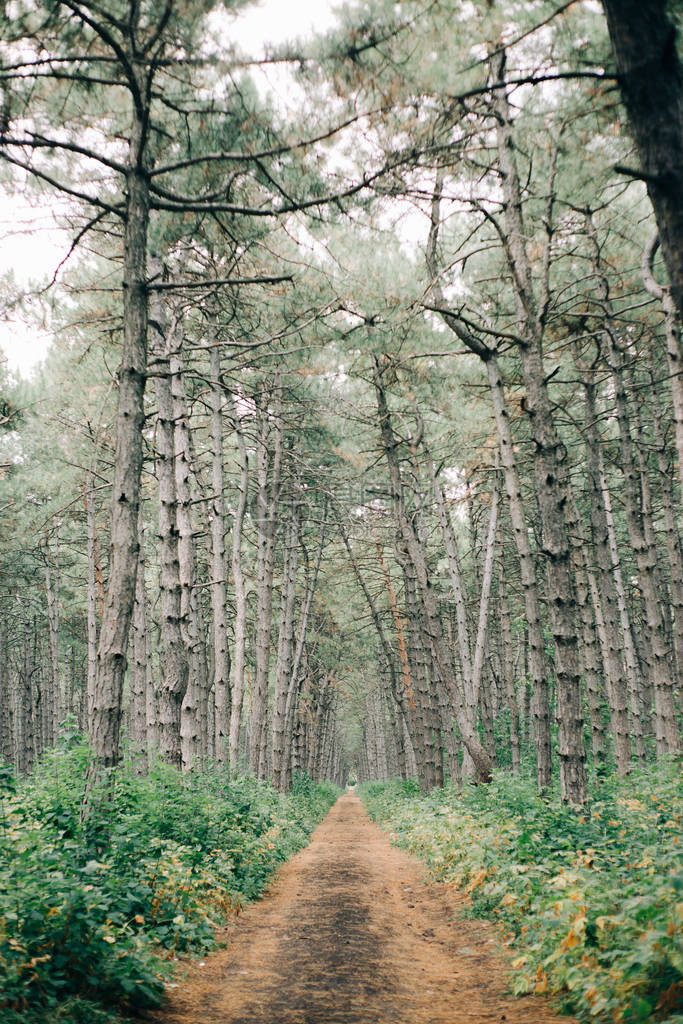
[[90, 917], [591, 904]]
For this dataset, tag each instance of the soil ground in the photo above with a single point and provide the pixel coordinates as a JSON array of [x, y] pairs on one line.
[[351, 932]]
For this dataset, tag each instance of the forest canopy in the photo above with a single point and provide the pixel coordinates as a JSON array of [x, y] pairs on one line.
[[357, 455], [358, 447]]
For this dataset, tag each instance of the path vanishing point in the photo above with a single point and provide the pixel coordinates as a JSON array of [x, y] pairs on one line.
[[351, 932]]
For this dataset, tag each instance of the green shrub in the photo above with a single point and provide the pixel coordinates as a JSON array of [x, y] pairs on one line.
[[89, 914], [591, 904]]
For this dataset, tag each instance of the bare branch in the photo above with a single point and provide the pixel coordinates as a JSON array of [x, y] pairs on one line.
[[60, 186], [166, 286]]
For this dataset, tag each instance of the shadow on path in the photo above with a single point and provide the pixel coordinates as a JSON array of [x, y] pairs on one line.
[[350, 933]]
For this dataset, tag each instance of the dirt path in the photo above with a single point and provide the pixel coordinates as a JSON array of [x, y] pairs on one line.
[[350, 933]]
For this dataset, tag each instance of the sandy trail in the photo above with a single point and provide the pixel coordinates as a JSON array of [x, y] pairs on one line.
[[351, 933]]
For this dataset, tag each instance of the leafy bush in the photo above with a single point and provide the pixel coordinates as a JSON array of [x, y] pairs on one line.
[[591, 903], [89, 913]]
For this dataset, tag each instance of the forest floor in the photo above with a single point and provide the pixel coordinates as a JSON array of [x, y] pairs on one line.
[[351, 932]]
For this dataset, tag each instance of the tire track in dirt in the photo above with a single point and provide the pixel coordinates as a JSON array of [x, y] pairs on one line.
[[351, 933]]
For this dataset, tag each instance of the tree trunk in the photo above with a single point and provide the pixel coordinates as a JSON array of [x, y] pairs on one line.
[[193, 731], [415, 559], [240, 597], [25, 705], [88, 498], [550, 463], [285, 649], [267, 504], [480, 647], [6, 738], [295, 671], [635, 681], [508, 667], [537, 659], [671, 534], [105, 721], [674, 353], [174, 660], [651, 81], [666, 731], [138, 672], [622, 675], [219, 568]]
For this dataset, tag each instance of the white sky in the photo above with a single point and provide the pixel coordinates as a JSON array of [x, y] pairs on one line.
[[30, 245]]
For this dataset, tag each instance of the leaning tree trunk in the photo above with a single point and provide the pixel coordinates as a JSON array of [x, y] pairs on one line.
[[537, 659], [550, 461], [415, 558], [462, 627]]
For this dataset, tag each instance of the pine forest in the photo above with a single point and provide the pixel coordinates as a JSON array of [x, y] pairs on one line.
[[346, 500]]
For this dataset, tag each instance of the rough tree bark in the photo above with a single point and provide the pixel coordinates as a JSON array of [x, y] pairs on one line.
[[285, 647], [219, 568], [269, 473], [139, 662], [53, 700], [538, 668], [105, 720], [240, 596], [621, 673], [193, 714], [650, 77], [550, 456], [174, 661], [295, 671], [415, 556], [668, 501], [674, 354], [6, 716], [666, 731], [508, 666]]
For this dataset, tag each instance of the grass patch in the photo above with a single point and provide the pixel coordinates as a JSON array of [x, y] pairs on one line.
[[90, 917], [591, 905]]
